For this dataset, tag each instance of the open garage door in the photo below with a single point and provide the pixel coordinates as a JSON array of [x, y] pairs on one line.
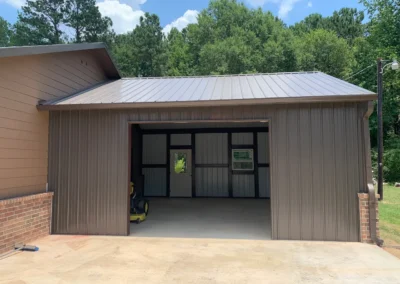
[[203, 179]]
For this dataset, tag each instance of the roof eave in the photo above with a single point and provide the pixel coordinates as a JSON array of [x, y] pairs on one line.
[[324, 99]]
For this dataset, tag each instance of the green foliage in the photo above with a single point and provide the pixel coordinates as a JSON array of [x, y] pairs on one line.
[[84, 17], [5, 32], [180, 166], [40, 23], [322, 50]]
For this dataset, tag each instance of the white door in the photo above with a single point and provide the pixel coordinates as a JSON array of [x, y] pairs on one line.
[[180, 173]]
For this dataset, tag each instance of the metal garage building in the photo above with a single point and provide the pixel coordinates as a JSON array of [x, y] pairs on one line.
[[300, 140]]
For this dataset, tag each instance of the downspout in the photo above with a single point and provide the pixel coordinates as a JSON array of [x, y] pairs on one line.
[[370, 186]]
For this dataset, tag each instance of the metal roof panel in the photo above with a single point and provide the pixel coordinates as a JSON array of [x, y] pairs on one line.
[[278, 87]]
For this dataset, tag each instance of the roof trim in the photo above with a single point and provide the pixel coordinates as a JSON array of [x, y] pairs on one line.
[[15, 51], [42, 49], [216, 103]]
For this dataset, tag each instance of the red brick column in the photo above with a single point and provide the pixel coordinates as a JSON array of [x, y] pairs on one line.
[[365, 232], [24, 219]]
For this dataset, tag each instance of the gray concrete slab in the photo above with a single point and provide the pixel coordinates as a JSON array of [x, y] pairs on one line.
[[91, 259], [221, 218]]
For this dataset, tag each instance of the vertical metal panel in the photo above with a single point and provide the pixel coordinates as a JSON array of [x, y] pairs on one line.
[[293, 174], [181, 139], [314, 167], [325, 172], [263, 147], [155, 149], [243, 185], [305, 184], [212, 148], [212, 182], [242, 138], [264, 182], [89, 172], [155, 181]]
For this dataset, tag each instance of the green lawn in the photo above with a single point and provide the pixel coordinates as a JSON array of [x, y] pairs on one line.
[[389, 215]]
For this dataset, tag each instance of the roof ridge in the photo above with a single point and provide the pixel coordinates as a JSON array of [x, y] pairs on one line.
[[225, 75]]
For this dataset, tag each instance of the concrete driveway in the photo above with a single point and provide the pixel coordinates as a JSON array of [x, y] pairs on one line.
[[75, 259]]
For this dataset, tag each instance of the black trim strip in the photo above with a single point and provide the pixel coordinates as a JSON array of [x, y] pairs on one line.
[[230, 186], [263, 165], [168, 164], [193, 140], [205, 130], [183, 147], [243, 147], [211, 165], [255, 158], [250, 172]]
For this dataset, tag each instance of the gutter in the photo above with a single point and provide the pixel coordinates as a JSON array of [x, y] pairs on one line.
[[372, 203]]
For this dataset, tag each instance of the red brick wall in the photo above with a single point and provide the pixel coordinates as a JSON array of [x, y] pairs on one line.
[[365, 232], [24, 219]]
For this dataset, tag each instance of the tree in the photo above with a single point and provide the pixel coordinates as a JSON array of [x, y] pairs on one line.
[[5, 32], [179, 61], [347, 23], [40, 23], [322, 50], [310, 23], [149, 45], [84, 17]]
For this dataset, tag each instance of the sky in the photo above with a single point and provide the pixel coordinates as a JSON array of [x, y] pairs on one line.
[[179, 13]]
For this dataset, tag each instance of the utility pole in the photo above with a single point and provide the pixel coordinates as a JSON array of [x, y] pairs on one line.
[[380, 129]]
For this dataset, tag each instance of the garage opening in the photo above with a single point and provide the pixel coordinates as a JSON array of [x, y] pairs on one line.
[[202, 180]]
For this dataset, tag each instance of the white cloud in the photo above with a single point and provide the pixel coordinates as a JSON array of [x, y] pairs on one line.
[[124, 17], [190, 17], [309, 4], [15, 3], [285, 6]]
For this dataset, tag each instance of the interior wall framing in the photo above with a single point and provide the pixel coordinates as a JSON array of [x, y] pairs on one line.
[[202, 140]]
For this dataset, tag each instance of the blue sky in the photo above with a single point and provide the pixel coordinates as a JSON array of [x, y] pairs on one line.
[[178, 13]]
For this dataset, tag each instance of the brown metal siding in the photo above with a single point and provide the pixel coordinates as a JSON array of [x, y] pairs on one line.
[[89, 172], [316, 168], [24, 82]]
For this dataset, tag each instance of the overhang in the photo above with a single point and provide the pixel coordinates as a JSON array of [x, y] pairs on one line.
[[252, 89]]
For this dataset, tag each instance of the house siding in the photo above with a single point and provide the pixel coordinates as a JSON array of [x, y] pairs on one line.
[[25, 81], [316, 161]]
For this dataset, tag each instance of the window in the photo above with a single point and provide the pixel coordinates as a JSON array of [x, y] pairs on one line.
[[180, 163], [242, 160]]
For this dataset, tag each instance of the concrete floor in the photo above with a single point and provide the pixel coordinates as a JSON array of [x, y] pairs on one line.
[[83, 259], [206, 218]]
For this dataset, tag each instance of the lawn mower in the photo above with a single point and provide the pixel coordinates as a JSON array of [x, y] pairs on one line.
[[139, 207]]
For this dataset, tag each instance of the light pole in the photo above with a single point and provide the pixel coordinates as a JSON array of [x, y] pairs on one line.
[[395, 66]]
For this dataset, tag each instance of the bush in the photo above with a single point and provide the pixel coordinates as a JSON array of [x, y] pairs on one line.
[[391, 165]]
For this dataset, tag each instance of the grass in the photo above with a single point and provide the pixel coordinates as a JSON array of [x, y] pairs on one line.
[[389, 215]]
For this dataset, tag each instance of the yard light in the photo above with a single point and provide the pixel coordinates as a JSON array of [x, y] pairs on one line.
[[395, 65]]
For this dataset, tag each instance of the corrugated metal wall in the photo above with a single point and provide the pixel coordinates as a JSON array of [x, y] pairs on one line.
[[212, 182], [155, 181], [181, 139], [212, 148], [155, 153], [317, 166], [243, 185], [211, 151], [88, 172], [242, 138]]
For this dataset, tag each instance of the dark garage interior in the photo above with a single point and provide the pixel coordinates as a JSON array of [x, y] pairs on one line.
[[202, 180]]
